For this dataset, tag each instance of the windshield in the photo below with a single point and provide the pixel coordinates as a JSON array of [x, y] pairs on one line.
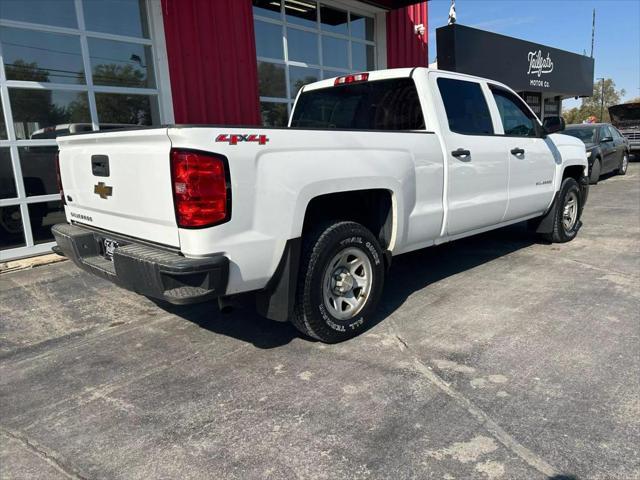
[[377, 105], [587, 135]]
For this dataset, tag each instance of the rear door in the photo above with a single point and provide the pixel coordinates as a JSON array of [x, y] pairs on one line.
[[120, 182], [531, 160], [477, 164]]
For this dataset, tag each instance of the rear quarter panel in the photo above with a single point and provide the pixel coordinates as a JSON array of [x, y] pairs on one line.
[[272, 185]]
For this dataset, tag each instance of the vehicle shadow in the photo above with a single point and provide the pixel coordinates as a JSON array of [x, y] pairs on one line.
[[416, 270], [408, 274]]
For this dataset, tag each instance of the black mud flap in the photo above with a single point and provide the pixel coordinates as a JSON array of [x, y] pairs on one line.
[[276, 300]]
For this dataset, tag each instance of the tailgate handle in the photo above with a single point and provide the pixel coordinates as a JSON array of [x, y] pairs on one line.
[[100, 165]]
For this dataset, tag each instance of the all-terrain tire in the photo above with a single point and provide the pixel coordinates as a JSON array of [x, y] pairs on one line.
[[312, 311], [563, 230]]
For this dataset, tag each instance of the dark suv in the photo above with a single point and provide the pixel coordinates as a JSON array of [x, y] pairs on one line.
[[607, 149]]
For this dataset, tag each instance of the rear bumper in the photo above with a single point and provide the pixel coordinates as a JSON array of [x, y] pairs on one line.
[[146, 270]]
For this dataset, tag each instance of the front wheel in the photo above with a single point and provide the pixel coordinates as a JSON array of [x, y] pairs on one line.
[[569, 209], [624, 164], [340, 281]]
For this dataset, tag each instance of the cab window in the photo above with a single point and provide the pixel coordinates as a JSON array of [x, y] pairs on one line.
[[517, 120], [466, 107]]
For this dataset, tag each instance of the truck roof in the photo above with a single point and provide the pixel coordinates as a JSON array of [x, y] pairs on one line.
[[393, 73]]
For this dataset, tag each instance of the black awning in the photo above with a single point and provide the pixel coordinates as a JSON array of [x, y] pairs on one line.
[[391, 4], [522, 65]]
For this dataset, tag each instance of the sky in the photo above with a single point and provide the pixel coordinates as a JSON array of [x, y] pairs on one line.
[[563, 24]]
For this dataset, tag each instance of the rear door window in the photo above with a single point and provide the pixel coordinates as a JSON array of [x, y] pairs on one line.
[[466, 107], [376, 105]]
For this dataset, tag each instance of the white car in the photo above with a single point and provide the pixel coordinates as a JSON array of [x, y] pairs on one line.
[[307, 217]]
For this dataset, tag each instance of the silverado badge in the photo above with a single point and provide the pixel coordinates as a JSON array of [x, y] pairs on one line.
[[102, 190]]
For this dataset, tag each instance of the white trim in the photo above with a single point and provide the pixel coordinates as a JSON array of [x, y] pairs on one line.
[[161, 61], [74, 31], [23, 252]]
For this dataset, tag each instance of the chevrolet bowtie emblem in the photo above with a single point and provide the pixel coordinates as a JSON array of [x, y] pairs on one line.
[[103, 190]]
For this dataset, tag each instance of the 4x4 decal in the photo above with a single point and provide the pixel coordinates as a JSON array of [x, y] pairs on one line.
[[236, 138]]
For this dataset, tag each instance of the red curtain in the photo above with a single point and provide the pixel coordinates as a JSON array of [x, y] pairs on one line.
[[405, 48]]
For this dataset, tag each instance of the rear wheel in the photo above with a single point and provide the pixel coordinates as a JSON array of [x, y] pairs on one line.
[[567, 218], [595, 172], [624, 164], [340, 281]]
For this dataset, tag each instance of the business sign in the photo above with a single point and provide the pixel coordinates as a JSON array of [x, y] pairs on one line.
[[524, 66]]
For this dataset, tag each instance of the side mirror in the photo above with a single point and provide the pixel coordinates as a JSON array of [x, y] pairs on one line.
[[554, 124], [607, 139]]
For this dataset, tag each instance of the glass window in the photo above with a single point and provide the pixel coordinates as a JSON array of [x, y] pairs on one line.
[[302, 46], [274, 114], [361, 27], [122, 110], [466, 107], [517, 121], [41, 114], [61, 13], [130, 20], [362, 56], [334, 21], [11, 229], [267, 8], [41, 57], [38, 165], [43, 216], [335, 52], [301, 12], [586, 134], [121, 64], [3, 126], [7, 178], [380, 105], [268, 40], [300, 76], [271, 80]]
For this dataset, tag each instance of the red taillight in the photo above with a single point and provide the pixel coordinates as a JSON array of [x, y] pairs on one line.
[[59, 179], [199, 188], [356, 77]]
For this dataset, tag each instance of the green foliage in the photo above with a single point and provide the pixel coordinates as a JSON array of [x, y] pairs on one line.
[[604, 95]]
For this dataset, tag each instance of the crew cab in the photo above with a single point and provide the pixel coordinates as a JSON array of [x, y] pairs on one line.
[[305, 220]]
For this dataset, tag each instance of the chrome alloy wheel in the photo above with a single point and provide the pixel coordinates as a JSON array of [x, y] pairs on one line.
[[570, 212], [347, 283], [625, 162]]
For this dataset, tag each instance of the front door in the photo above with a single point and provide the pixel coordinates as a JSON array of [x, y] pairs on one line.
[[477, 166], [608, 149], [531, 160]]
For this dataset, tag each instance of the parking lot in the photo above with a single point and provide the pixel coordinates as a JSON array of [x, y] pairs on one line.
[[495, 357]]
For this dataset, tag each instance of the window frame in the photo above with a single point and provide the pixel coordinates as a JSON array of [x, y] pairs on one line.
[[161, 91], [378, 43]]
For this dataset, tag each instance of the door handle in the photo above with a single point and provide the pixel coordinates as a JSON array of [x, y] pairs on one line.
[[517, 151], [461, 152]]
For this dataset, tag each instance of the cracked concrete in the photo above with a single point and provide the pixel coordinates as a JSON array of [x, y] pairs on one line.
[[495, 357]]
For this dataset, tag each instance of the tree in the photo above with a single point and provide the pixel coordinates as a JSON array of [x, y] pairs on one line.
[[594, 105]]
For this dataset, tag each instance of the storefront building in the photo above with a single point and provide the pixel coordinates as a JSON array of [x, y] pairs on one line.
[[80, 65], [542, 75]]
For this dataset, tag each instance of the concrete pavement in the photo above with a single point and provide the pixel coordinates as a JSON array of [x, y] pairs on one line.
[[495, 357]]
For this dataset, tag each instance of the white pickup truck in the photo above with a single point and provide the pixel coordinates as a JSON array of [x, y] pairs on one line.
[[304, 220]]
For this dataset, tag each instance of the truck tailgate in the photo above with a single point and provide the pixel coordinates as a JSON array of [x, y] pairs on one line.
[[121, 182]]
